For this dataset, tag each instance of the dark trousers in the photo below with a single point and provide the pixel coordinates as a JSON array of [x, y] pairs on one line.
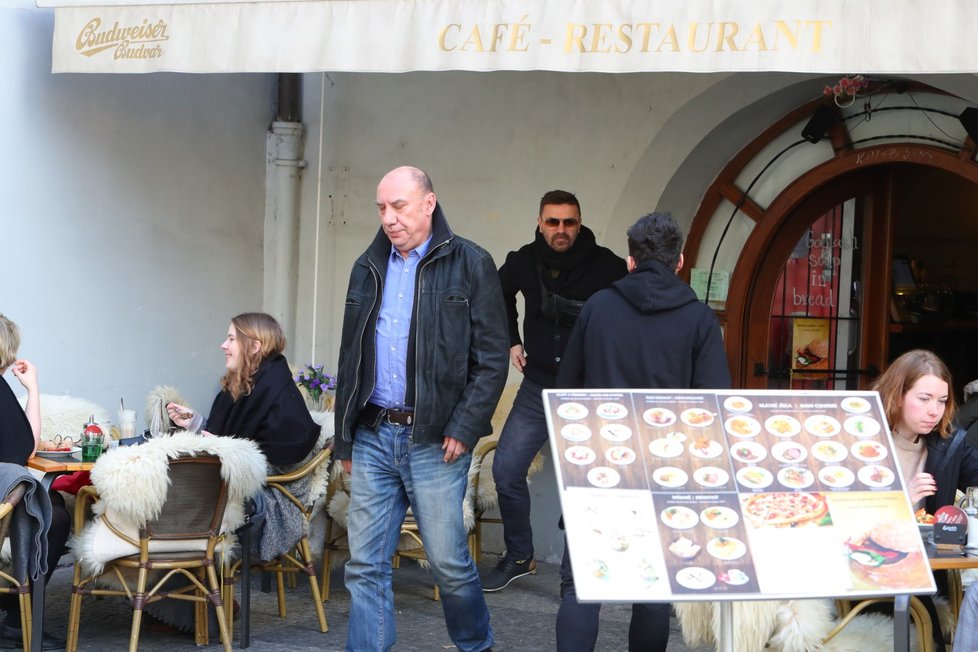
[[57, 542], [577, 622], [522, 436]]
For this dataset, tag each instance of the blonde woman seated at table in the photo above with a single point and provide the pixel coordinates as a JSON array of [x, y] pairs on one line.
[[933, 454], [259, 400], [20, 433]]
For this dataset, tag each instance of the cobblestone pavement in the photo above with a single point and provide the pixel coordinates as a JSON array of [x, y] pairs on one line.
[[523, 617]]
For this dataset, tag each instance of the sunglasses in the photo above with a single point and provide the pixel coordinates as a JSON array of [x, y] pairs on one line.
[[568, 222]]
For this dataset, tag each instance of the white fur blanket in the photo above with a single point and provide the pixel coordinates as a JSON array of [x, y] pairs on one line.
[[67, 415], [133, 483]]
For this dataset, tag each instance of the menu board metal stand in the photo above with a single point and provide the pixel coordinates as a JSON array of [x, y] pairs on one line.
[[725, 644], [901, 623]]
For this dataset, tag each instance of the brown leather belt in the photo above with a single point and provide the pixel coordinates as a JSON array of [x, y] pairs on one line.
[[372, 414], [400, 417]]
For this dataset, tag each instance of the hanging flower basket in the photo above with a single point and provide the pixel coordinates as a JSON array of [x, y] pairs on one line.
[[845, 91]]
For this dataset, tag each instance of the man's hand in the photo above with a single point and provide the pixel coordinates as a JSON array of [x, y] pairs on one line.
[[453, 448], [518, 357], [347, 466]]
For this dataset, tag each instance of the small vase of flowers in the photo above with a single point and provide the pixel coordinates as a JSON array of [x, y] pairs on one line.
[[319, 385]]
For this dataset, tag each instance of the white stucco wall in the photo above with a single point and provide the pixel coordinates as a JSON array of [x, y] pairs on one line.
[[132, 218], [493, 144]]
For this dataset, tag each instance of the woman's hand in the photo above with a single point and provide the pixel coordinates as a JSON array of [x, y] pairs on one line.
[[26, 373], [921, 486], [179, 414]]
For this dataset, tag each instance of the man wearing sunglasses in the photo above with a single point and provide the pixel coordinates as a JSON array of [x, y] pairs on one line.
[[556, 273]]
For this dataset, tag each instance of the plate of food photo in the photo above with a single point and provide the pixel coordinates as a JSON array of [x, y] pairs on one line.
[[734, 577], [666, 447], [742, 426], [782, 425], [711, 476], [855, 405], [755, 477], [860, 426], [719, 517], [602, 476], [579, 455], [726, 548], [868, 451], [705, 448], [829, 451], [737, 404], [696, 578], [697, 417], [748, 451], [616, 432], [571, 411], [822, 425], [611, 411], [670, 476], [659, 417], [874, 475], [575, 432], [796, 477], [679, 517], [837, 477], [789, 452], [620, 455]]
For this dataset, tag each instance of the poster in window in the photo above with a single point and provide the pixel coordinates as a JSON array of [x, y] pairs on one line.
[[810, 344]]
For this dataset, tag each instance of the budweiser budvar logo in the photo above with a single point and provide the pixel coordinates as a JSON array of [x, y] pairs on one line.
[[130, 42]]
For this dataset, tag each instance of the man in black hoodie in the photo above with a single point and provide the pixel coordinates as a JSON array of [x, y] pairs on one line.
[[647, 331], [556, 273]]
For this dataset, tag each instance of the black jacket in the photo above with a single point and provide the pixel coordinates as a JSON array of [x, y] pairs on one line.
[[967, 418], [647, 331], [581, 271], [16, 435], [458, 338], [273, 415], [954, 465]]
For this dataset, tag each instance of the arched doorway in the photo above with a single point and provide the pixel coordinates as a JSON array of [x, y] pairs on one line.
[[817, 263]]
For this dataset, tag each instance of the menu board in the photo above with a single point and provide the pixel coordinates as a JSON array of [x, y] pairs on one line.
[[692, 495]]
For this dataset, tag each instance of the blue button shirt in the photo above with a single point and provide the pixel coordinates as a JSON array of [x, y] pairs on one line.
[[394, 327]]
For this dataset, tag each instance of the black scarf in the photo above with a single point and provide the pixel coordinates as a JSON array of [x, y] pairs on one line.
[[576, 256], [273, 415]]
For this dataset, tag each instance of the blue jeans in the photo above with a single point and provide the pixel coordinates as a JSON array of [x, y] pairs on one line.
[[577, 622], [391, 472], [523, 434]]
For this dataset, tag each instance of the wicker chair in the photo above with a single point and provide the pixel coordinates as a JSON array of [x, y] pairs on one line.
[[300, 559], [188, 526], [15, 586]]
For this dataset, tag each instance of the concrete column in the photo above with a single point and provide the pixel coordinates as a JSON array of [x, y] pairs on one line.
[[283, 167]]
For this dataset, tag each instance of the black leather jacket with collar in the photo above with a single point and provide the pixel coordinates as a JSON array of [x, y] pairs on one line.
[[460, 340]]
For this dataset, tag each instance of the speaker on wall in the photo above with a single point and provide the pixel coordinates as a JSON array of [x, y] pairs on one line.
[[819, 123], [969, 120]]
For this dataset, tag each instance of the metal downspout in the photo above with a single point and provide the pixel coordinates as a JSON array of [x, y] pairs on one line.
[[283, 169]]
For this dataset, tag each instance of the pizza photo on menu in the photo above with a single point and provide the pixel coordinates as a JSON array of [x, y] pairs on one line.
[[786, 509]]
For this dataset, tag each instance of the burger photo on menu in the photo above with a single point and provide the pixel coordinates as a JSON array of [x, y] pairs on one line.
[[888, 556]]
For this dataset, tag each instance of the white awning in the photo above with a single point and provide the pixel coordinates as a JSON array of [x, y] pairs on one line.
[[838, 36]]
